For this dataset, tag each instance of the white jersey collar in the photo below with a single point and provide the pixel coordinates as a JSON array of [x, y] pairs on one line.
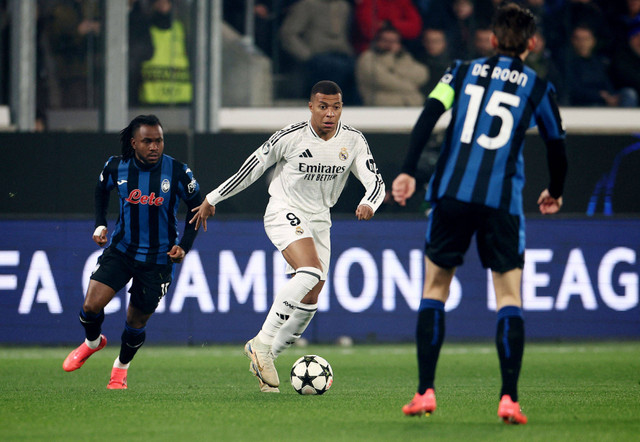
[[313, 132]]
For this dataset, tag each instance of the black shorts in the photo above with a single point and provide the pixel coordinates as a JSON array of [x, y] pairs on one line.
[[150, 281], [452, 224]]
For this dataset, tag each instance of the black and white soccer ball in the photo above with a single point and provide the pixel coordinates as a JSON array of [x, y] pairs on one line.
[[311, 374]]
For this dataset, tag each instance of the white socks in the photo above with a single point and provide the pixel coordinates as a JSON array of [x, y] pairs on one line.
[[118, 364], [93, 344], [287, 300], [293, 328]]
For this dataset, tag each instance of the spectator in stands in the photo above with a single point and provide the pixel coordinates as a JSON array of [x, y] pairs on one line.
[[265, 16], [372, 15], [482, 46], [587, 81], [140, 46], [561, 20], [621, 15], [625, 66], [388, 75], [316, 34], [458, 19], [72, 29], [424, 7], [434, 55], [166, 77], [540, 60]]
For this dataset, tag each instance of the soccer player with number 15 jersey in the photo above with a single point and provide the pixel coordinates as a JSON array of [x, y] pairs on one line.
[[476, 189]]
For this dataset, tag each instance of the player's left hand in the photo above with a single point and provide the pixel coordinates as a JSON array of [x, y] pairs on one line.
[[364, 212], [176, 254], [402, 188], [548, 204]]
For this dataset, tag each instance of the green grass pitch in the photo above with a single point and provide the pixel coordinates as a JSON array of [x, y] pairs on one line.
[[569, 391]]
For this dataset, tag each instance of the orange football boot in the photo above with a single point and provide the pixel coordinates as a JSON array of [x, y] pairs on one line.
[[510, 411], [421, 404], [118, 379], [80, 355]]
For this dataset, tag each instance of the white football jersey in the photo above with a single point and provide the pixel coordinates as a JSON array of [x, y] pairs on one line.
[[310, 172]]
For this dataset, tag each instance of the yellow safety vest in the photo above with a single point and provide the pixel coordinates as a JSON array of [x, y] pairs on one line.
[[165, 77]]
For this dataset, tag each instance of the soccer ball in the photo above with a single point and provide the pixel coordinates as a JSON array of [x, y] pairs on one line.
[[311, 374]]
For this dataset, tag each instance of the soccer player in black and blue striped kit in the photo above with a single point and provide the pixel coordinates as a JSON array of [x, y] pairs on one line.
[[144, 245], [476, 189]]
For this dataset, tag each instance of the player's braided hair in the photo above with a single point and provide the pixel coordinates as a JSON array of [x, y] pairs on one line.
[[127, 133], [325, 87], [513, 26]]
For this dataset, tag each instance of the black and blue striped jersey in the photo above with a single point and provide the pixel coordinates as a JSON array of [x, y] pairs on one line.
[[493, 102], [147, 225]]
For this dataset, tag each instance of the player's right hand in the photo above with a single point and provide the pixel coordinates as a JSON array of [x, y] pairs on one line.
[[402, 188], [100, 235], [203, 211]]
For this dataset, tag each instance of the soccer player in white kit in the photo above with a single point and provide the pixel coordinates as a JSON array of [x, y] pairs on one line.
[[313, 160]]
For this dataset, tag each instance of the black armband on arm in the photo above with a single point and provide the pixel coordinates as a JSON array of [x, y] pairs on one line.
[[190, 232], [101, 198], [420, 134], [557, 163]]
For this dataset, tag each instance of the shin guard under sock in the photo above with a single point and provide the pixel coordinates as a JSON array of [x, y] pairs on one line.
[[286, 301], [510, 345], [132, 340], [92, 324], [429, 338], [291, 331]]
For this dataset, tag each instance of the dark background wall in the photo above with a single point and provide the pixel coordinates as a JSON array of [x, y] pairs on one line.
[[55, 173]]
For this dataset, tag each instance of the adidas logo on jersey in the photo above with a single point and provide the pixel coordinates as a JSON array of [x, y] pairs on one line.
[[306, 154]]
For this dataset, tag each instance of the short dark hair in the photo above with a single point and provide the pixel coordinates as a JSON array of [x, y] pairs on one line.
[[326, 87], [127, 133], [513, 26], [386, 27]]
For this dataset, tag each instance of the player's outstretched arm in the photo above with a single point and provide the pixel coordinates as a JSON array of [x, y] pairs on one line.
[[548, 204], [202, 212], [364, 212], [403, 188]]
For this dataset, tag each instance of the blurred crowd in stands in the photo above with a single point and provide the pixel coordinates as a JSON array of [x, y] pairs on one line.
[[397, 50], [382, 52]]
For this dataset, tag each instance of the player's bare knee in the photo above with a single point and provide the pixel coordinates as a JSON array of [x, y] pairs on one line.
[[92, 307]]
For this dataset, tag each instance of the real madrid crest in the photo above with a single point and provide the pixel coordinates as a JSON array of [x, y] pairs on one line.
[[299, 230], [343, 155], [166, 185]]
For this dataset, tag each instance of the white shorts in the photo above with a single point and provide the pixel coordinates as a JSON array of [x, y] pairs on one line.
[[285, 224]]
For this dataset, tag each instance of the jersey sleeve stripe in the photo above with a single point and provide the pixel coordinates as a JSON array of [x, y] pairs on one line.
[[236, 179], [281, 133], [376, 191]]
